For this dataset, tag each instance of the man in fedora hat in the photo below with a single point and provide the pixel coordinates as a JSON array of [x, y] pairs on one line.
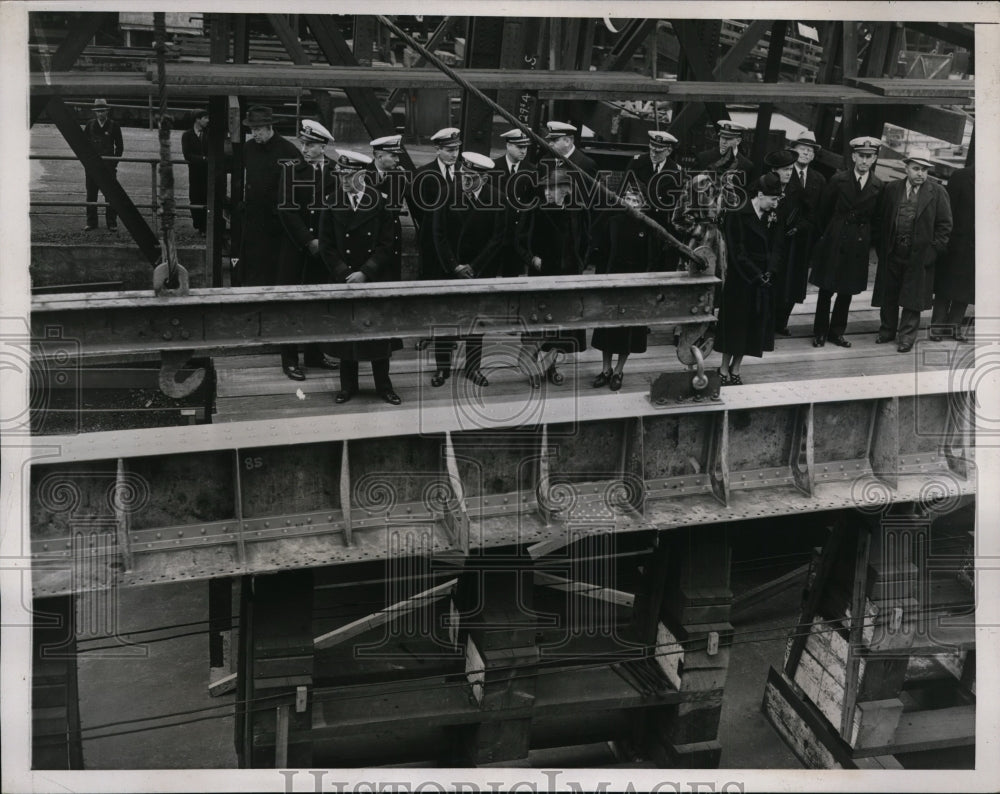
[[303, 186], [804, 189], [260, 248], [915, 225], [848, 211], [105, 135]]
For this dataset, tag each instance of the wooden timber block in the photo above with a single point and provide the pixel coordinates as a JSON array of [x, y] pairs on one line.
[[879, 719], [931, 729], [693, 634], [700, 680], [823, 691], [700, 660], [883, 678], [498, 741], [805, 731], [694, 755], [684, 723]]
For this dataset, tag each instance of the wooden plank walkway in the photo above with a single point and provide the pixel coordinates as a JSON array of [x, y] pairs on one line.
[[253, 387]]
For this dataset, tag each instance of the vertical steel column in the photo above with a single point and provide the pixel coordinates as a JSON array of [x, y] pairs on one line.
[[483, 50], [772, 71]]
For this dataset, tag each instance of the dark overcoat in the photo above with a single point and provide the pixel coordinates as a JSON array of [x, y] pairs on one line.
[[849, 222], [797, 212], [392, 185], [300, 207], [632, 250], [468, 231], [106, 139], [746, 313], [260, 248], [662, 195], [359, 240], [955, 274], [557, 238], [429, 192], [513, 256], [931, 229]]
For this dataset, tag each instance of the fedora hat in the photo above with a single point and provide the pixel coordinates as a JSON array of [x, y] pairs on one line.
[[920, 157], [259, 116], [806, 138]]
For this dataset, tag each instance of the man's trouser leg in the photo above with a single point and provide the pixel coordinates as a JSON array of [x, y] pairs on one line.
[[841, 311], [821, 322]]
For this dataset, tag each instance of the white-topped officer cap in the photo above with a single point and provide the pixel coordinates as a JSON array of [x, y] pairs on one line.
[[447, 138], [477, 163], [660, 139], [557, 129], [313, 132], [352, 161], [389, 143]]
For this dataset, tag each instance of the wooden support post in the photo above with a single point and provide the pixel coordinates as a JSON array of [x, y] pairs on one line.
[[494, 598], [281, 736], [694, 613], [831, 552], [106, 180], [772, 71], [857, 626]]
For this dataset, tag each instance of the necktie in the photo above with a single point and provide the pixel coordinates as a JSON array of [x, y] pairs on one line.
[[513, 168], [802, 176], [451, 173], [860, 187]]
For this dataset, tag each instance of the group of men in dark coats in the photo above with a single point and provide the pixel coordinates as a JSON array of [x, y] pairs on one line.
[[339, 222]]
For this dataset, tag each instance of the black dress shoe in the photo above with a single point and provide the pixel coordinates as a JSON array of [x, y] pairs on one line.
[[616, 381], [477, 377], [344, 395], [819, 341], [294, 373], [439, 377], [390, 397], [784, 331], [324, 363], [555, 376], [904, 348], [934, 336], [602, 380], [839, 341], [881, 340]]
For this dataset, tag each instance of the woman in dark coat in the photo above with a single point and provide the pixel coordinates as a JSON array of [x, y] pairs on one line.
[[746, 316], [955, 276], [629, 252], [558, 246]]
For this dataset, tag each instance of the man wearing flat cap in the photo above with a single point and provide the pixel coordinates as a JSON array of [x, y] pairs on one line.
[[915, 225], [356, 243], [804, 190], [658, 179], [260, 248], [848, 216], [390, 180], [467, 232], [105, 135], [431, 188], [303, 186]]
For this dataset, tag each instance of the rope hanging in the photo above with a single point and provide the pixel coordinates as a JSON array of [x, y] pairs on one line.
[[169, 277]]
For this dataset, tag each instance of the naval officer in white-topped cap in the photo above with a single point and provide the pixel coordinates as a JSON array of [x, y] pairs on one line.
[[432, 184]]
